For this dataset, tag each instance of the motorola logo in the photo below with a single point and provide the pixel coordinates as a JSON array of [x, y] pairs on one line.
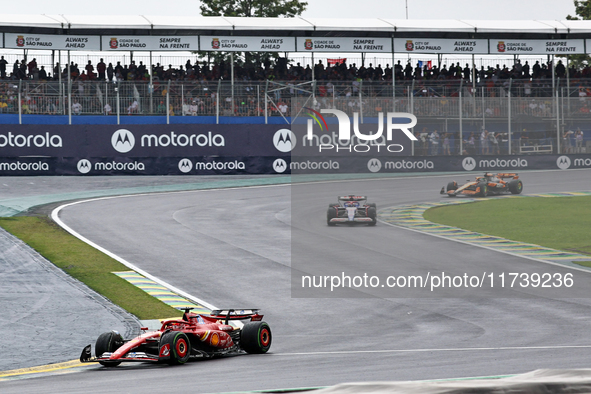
[[374, 165], [185, 166], [84, 166], [563, 162], [123, 141], [284, 140], [279, 165], [468, 163]]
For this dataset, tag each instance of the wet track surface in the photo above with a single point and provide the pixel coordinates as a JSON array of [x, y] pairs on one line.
[[233, 249]]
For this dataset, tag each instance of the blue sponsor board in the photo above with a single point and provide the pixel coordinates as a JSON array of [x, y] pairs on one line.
[[229, 149], [137, 140]]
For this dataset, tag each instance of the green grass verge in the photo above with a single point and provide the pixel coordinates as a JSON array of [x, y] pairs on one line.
[[86, 264], [558, 223]]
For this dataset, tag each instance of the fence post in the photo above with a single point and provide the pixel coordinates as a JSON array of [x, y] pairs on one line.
[[232, 78], [509, 115], [265, 102], [483, 112], [258, 100], [69, 91], [106, 98], [20, 108], [168, 103], [217, 103], [151, 86], [361, 101], [69, 100], [460, 115], [118, 105], [557, 120]]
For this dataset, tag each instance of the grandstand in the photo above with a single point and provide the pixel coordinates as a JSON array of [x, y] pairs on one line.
[[546, 98]]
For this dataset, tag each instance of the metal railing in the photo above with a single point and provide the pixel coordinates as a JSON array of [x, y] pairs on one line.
[[200, 98]]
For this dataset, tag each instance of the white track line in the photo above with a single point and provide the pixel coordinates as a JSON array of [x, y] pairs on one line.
[[55, 217], [466, 349]]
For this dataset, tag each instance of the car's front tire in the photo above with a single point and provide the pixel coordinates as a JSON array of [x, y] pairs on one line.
[[108, 342], [483, 190], [372, 213], [179, 347], [452, 186], [331, 214]]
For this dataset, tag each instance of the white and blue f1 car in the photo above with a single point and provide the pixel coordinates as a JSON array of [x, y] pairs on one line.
[[351, 210]]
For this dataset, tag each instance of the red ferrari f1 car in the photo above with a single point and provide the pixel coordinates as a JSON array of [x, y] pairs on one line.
[[178, 340], [486, 185]]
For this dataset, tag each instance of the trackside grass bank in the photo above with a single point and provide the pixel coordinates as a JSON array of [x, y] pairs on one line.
[[86, 264], [560, 223]]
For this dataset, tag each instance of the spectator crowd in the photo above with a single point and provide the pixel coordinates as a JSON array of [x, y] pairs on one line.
[[282, 70]]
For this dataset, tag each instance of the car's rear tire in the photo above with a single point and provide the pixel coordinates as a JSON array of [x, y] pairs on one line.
[[372, 204], [108, 342], [256, 337], [452, 186], [373, 214], [331, 214], [483, 190], [179, 345], [515, 186]]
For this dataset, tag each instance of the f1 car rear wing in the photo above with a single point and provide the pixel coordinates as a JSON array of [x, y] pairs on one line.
[[508, 175], [236, 314], [352, 198]]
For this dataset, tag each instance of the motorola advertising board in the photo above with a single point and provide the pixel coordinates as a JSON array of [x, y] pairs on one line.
[[141, 149], [235, 149]]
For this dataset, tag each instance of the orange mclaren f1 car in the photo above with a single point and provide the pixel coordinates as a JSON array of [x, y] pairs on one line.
[[486, 185]]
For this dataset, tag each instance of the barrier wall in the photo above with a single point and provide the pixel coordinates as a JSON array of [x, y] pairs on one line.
[[223, 149]]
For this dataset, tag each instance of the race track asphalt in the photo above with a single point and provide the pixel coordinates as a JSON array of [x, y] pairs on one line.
[[234, 248]]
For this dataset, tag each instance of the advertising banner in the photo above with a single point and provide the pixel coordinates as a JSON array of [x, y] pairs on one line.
[[88, 166], [137, 140], [149, 43], [440, 45], [235, 149], [46, 41], [247, 44], [386, 164], [344, 44], [536, 47]]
